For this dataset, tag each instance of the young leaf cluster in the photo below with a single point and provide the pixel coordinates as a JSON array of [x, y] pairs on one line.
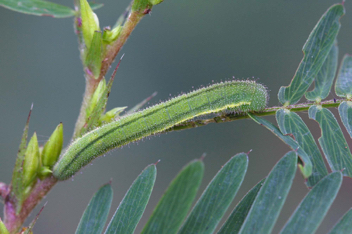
[[320, 58]]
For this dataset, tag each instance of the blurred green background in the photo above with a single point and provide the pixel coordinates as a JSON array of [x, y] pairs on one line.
[[180, 45]]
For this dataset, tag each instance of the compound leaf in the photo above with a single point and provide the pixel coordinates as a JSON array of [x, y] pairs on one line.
[[315, 50], [174, 205], [96, 213], [217, 197], [291, 123], [332, 140], [271, 197], [38, 7], [312, 210], [133, 204]]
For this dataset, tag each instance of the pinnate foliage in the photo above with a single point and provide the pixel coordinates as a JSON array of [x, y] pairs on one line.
[[259, 209]]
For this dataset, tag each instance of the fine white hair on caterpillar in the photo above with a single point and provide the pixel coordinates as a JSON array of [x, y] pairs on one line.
[[234, 96]]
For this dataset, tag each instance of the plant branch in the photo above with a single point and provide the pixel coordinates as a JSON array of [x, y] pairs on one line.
[[266, 112], [91, 85], [113, 49], [14, 221]]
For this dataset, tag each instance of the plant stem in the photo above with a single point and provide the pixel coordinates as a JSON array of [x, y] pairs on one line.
[[112, 50], [14, 221], [91, 85], [267, 111]]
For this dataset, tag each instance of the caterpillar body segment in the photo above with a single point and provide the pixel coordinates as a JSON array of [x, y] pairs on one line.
[[234, 96]]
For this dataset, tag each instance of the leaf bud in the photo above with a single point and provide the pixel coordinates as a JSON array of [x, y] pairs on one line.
[[96, 97], [44, 172], [94, 55], [112, 114], [111, 35], [53, 146], [90, 22], [31, 161], [155, 2]]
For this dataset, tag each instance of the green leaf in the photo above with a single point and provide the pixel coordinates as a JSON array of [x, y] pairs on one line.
[[155, 2], [344, 226], [343, 84], [96, 213], [291, 123], [95, 6], [345, 111], [94, 55], [312, 210], [234, 223], [217, 197], [111, 115], [110, 36], [325, 77], [174, 205], [315, 51], [332, 140], [97, 95], [31, 163], [52, 148], [90, 23], [133, 204], [38, 7], [307, 168], [3, 229], [17, 180], [98, 110], [268, 203]]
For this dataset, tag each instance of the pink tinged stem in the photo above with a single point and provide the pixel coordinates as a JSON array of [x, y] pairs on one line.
[[4, 190], [14, 221]]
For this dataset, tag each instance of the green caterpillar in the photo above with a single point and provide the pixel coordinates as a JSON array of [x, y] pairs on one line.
[[234, 96]]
